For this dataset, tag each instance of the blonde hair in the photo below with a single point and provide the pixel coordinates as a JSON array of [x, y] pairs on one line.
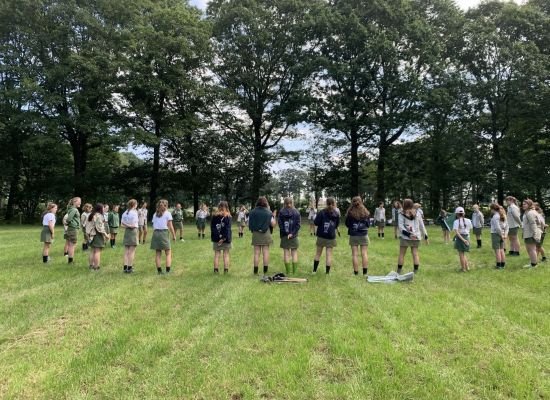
[[499, 209], [475, 207], [74, 200], [162, 206], [357, 209], [87, 207], [131, 204], [530, 204], [223, 209]]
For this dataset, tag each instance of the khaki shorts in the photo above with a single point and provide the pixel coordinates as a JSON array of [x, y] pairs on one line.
[[513, 231], [359, 240], [409, 243], [219, 247], [287, 243], [262, 238], [329, 243], [496, 241], [72, 235], [160, 240]]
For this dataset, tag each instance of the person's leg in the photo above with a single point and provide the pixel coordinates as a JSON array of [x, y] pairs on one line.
[[265, 253], [395, 231], [294, 255], [416, 258], [257, 250], [66, 248], [317, 258], [532, 251], [91, 257], [140, 234], [158, 259], [216, 260], [45, 252], [97, 257], [329, 259], [382, 231], [168, 253], [131, 256], [401, 258], [461, 258], [354, 259], [70, 251], [365, 259], [144, 233], [286, 260], [126, 258], [226, 260]]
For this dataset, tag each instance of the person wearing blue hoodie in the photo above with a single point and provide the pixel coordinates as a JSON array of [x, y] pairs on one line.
[[327, 222], [289, 225], [358, 221], [220, 234]]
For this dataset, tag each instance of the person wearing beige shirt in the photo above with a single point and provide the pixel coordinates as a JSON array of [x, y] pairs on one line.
[[531, 231]]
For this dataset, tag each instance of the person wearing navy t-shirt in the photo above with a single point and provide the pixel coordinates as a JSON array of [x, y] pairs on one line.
[[358, 221], [327, 222], [220, 234], [289, 225]]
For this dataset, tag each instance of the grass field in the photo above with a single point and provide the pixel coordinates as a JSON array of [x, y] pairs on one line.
[[66, 332]]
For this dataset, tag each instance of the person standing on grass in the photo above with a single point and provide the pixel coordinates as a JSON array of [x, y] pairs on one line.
[[311, 214], [201, 216], [73, 226], [477, 223], [142, 223], [260, 221], [442, 221], [48, 230], [106, 218], [412, 230], [177, 214], [396, 209], [241, 220], [514, 222], [532, 233], [162, 228], [541, 220], [65, 222], [86, 210], [358, 221], [95, 229], [220, 234], [499, 233], [130, 223], [380, 219], [289, 226], [114, 224], [462, 227], [327, 222]]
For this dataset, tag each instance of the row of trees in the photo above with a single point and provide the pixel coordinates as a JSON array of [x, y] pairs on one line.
[[407, 98]]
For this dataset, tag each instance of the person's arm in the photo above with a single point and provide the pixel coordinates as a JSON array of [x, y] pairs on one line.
[[423, 230], [273, 221], [401, 225], [171, 229], [457, 231], [51, 225], [297, 225], [532, 221], [317, 221]]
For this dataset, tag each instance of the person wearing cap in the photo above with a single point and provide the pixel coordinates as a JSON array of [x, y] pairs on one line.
[[477, 223], [514, 222], [462, 227]]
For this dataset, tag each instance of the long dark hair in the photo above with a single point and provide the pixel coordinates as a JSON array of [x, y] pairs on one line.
[[357, 210], [98, 209]]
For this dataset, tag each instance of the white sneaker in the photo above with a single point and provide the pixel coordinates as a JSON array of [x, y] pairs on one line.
[[181, 240]]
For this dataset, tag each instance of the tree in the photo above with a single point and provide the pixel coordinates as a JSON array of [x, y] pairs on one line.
[[166, 50], [262, 61], [502, 58]]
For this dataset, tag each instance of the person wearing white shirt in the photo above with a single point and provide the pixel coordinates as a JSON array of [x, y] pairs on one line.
[[200, 217], [162, 227], [380, 219], [130, 223], [48, 231], [412, 230], [514, 223], [462, 227], [541, 222], [499, 233], [241, 220], [477, 223], [311, 214]]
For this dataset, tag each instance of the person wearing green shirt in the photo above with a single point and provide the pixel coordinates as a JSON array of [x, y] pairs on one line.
[[177, 215], [113, 221], [73, 226]]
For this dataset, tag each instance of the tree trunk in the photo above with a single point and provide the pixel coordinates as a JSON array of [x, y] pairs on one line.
[[14, 188], [195, 189], [79, 147], [380, 172], [354, 167], [155, 174], [257, 166], [498, 169]]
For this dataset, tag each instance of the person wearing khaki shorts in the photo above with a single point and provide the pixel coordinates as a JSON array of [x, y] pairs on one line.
[[412, 230], [259, 222], [73, 226], [142, 223], [326, 221], [532, 233], [357, 222], [513, 218], [462, 227], [220, 234], [130, 223], [48, 231], [289, 226], [162, 228]]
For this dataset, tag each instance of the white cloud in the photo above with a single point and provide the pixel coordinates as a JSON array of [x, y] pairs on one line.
[[199, 3]]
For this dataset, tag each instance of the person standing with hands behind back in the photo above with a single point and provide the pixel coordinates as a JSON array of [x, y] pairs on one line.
[[289, 226], [462, 227], [220, 233], [327, 222], [380, 219], [130, 222], [412, 229], [260, 223], [514, 222], [162, 228], [499, 232], [48, 231]]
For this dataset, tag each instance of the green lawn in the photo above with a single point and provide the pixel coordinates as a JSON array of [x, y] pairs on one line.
[[66, 332]]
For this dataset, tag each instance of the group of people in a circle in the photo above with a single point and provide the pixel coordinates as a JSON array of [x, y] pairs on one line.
[[98, 225]]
